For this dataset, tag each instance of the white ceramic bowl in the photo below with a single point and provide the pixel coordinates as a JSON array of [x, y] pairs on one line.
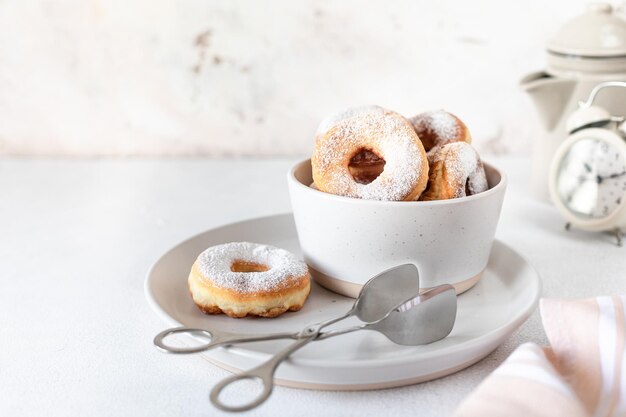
[[345, 241]]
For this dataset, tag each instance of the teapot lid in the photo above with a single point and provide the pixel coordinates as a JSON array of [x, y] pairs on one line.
[[598, 33]]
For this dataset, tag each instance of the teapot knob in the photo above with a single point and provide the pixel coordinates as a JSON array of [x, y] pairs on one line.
[[600, 7]]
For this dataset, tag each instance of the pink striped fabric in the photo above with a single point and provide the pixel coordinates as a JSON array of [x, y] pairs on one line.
[[581, 374]]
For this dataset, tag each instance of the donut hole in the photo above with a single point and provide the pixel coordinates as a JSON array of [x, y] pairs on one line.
[[244, 266], [467, 187], [428, 139], [365, 166]]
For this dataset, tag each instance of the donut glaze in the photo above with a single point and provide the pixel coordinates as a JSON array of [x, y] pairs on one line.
[[384, 133], [455, 171], [438, 127], [243, 278]]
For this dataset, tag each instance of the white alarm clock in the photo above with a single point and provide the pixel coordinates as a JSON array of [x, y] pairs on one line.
[[588, 172]]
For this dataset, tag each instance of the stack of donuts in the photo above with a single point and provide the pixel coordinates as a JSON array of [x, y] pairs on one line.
[[372, 153]]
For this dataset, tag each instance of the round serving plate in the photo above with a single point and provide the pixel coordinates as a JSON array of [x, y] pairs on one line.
[[487, 314]]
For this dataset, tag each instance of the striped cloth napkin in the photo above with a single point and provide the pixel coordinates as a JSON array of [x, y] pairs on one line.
[[581, 374]]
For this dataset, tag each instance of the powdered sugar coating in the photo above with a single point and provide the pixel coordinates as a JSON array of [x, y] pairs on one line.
[[335, 118], [436, 128], [463, 166], [385, 133], [439, 121], [284, 267]]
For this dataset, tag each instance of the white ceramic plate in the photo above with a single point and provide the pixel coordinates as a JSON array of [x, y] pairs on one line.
[[487, 315]]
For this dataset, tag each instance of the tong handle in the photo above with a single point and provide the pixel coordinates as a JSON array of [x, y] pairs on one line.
[[216, 339], [264, 373]]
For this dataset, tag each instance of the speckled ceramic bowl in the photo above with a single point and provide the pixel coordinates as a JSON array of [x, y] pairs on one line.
[[345, 241]]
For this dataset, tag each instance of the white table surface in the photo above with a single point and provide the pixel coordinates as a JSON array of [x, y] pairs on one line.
[[76, 241]]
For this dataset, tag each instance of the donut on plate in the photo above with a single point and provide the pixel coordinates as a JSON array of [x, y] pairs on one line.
[[455, 171], [243, 278], [438, 127], [370, 130]]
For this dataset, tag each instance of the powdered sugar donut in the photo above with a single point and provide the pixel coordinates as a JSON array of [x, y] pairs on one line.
[[384, 133], [455, 171], [438, 127], [243, 278], [365, 166]]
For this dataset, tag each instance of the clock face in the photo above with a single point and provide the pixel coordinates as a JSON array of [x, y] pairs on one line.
[[591, 178]]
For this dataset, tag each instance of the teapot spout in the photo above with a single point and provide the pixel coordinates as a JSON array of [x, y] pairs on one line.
[[549, 94]]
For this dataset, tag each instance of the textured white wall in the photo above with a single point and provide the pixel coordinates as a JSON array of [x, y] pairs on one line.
[[194, 77]]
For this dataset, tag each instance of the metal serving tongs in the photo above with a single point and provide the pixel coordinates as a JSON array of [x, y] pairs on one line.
[[419, 320], [379, 295], [382, 305]]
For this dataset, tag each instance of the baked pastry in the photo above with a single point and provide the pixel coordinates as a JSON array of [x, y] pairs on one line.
[[383, 133], [455, 171], [243, 278], [438, 127], [365, 166]]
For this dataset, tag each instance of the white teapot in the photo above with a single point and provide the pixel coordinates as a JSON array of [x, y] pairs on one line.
[[586, 51]]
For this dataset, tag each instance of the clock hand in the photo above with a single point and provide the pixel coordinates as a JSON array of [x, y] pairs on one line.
[[617, 175], [570, 195], [599, 178], [587, 167]]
